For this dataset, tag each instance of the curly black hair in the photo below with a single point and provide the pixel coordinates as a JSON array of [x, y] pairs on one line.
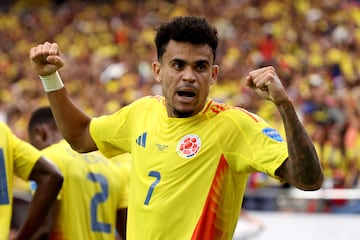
[[194, 30]]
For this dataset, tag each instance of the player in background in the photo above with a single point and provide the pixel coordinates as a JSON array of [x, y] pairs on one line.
[[191, 156], [92, 203], [20, 158]]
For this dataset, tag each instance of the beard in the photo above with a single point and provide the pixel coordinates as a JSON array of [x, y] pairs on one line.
[[182, 114]]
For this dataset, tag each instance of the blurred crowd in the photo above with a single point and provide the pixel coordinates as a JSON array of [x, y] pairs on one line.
[[108, 48]]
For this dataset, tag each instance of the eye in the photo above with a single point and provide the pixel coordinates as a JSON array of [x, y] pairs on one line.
[[178, 65], [201, 67]]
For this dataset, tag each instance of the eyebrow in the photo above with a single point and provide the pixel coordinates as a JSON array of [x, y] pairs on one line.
[[201, 61], [177, 60]]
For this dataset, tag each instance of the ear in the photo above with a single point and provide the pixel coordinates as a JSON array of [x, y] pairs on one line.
[[40, 133], [39, 136], [156, 68], [215, 71]]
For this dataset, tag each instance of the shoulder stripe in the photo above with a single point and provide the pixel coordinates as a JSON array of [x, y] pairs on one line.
[[207, 106], [249, 114]]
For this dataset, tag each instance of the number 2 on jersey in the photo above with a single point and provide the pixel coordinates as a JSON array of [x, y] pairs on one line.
[[98, 198], [157, 177]]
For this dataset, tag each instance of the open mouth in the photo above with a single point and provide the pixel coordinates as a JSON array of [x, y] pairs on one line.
[[186, 94], [185, 97]]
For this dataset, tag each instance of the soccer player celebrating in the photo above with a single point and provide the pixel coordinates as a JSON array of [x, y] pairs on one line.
[[93, 199], [20, 158], [191, 156]]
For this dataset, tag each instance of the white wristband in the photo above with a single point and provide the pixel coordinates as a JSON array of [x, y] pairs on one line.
[[52, 82]]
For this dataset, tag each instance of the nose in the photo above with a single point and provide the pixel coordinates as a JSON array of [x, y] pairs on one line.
[[189, 74]]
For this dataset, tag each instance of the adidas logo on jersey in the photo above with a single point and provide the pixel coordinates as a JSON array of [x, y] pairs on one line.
[[141, 140]]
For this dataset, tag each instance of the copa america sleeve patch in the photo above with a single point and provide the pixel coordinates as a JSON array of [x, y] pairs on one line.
[[273, 134]]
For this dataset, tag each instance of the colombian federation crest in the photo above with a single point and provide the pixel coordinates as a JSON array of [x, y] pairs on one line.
[[188, 146]]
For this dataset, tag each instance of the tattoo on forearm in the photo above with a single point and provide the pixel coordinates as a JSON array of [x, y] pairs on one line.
[[304, 166]]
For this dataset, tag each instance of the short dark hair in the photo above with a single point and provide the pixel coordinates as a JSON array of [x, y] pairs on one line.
[[194, 30], [42, 115]]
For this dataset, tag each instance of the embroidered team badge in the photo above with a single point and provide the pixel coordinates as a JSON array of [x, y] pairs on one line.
[[273, 134], [188, 146]]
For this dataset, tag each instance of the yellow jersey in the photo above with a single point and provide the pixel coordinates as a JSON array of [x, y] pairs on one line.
[[188, 175], [16, 157], [94, 189]]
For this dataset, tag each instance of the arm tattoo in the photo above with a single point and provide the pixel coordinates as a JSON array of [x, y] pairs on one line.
[[302, 169]]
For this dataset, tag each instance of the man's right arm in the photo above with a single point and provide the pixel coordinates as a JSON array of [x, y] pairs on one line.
[[72, 122]]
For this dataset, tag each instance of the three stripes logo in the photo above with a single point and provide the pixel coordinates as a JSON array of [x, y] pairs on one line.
[[141, 140]]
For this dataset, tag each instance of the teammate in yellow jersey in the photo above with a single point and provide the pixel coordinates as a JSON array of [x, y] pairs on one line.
[[93, 200], [20, 158], [191, 156]]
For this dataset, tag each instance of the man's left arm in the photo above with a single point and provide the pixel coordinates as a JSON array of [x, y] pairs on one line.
[[302, 169], [49, 181], [121, 218]]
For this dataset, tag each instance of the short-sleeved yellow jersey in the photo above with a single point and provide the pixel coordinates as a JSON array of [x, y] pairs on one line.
[[16, 157], [94, 189], [188, 175]]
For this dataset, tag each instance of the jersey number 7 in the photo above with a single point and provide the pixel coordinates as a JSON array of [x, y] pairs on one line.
[[157, 177]]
